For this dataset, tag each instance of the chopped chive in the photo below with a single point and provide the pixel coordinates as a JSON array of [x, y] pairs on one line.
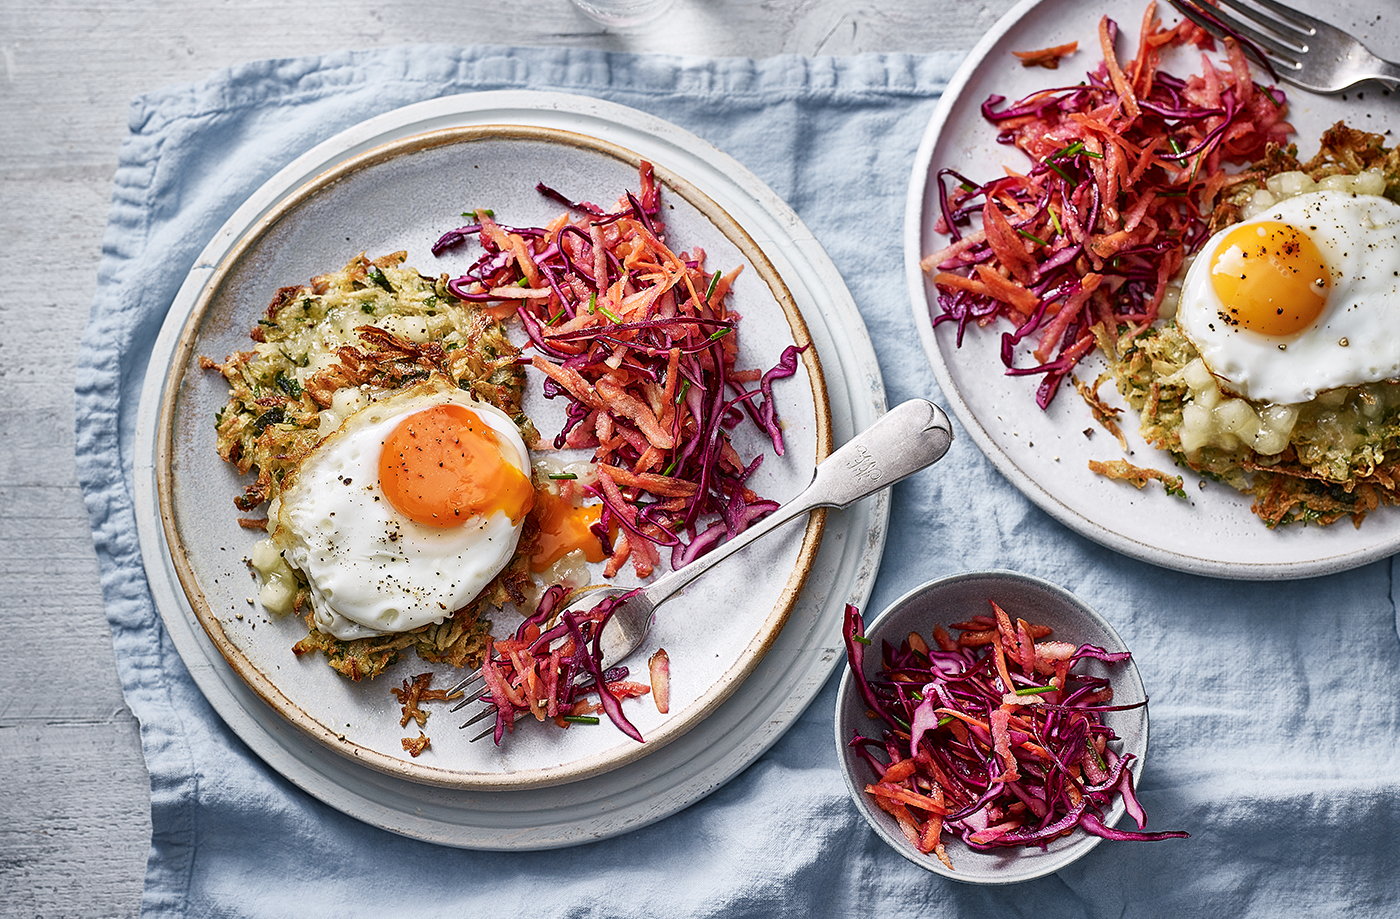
[[557, 476], [670, 468], [862, 639], [680, 393], [481, 210], [604, 311], [1176, 147], [1071, 150], [944, 720], [377, 276], [1095, 753], [1036, 690], [716, 336], [1093, 155], [592, 302], [1064, 175], [581, 719], [557, 316], [1033, 238], [1055, 222], [288, 385], [269, 417], [917, 696], [523, 282], [966, 187], [714, 282]]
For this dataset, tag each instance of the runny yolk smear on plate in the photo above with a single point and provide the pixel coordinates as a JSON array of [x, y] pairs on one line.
[[564, 527]]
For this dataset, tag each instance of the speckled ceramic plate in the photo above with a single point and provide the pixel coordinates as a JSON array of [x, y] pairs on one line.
[[403, 195], [1045, 454], [546, 788]]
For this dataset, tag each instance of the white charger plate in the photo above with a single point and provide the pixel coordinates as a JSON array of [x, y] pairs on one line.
[[1045, 453], [726, 738]]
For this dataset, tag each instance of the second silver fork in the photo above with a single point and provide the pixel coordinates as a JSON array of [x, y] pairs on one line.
[[1301, 49]]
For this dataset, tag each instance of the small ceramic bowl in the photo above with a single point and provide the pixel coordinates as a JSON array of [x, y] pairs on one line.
[[954, 599]]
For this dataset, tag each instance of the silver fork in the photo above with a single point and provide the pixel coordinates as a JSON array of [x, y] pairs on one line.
[[904, 440], [1302, 50]]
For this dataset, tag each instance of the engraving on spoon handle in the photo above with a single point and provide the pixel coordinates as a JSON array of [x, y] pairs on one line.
[[910, 436]]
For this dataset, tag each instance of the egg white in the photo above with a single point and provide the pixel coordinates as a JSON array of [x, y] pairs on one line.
[[370, 570], [1351, 343]]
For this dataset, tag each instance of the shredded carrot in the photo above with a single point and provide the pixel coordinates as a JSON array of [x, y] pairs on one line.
[[1049, 58], [905, 796], [1110, 58], [659, 666], [1125, 167], [999, 654], [639, 340], [1007, 290], [1001, 743], [900, 771]]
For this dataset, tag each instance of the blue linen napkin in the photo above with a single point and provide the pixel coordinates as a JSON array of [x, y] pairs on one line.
[[1274, 718]]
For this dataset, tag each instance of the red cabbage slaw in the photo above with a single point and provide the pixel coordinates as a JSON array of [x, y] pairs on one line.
[[1125, 169], [551, 667], [639, 342], [992, 735]]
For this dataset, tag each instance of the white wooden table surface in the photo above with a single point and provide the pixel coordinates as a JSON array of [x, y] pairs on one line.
[[74, 801]]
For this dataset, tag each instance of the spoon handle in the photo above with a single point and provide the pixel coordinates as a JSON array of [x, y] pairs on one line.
[[904, 440]]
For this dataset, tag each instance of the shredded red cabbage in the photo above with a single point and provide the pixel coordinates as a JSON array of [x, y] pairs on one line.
[[1124, 172], [993, 735], [639, 342], [537, 671]]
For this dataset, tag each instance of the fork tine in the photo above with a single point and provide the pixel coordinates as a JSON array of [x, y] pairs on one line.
[[1286, 32], [1217, 21], [485, 712], [1248, 23], [1301, 22], [474, 697], [462, 686], [484, 734]]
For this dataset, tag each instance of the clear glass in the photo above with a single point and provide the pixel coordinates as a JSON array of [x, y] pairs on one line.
[[623, 13]]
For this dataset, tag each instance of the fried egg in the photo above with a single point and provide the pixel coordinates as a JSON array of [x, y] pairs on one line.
[[1298, 300], [406, 512]]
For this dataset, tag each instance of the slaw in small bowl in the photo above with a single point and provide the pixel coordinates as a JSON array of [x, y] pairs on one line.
[[943, 602]]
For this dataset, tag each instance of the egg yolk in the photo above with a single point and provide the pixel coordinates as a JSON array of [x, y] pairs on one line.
[[1270, 278], [564, 527], [443, 465]]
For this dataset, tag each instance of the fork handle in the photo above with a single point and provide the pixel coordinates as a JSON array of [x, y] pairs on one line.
[[904, 440], [1389, 74]]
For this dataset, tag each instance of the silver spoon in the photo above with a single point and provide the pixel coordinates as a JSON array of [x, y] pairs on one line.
[[907, 438]]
